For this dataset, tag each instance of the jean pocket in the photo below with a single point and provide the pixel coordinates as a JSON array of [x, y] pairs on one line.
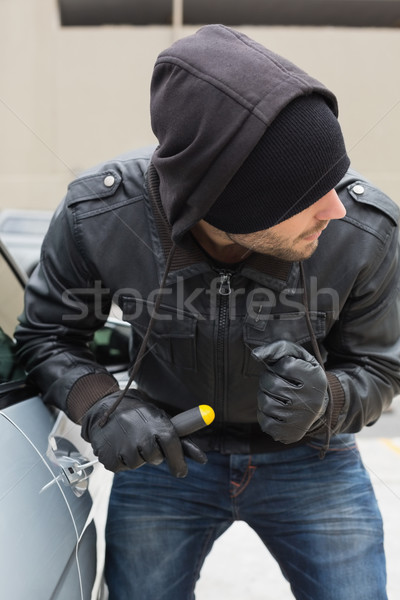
[[341, 442]]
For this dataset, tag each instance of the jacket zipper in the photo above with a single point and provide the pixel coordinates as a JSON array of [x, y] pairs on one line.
[[224, 291], [225, 283]]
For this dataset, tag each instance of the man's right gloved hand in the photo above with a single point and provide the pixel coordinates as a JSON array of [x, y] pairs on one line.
[[137, 432]]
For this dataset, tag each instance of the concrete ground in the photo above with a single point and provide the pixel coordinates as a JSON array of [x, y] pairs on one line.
[[239, 567]]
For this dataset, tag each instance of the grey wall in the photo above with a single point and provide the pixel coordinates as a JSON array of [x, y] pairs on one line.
[[73, 96]]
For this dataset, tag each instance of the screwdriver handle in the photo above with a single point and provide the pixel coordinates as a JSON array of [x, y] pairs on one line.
[[193, 419]]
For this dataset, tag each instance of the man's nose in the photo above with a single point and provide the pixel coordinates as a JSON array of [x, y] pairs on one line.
[[330, 207]]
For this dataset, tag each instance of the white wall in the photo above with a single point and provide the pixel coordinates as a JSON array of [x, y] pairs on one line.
[[72, 97]]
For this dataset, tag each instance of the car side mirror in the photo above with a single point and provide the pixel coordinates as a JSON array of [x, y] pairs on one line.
[[110, 346]]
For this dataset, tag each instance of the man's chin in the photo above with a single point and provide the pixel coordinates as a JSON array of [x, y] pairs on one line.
[[307, 252], [312, 248]]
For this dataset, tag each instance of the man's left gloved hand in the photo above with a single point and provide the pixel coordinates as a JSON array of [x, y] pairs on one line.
[[293, 395]]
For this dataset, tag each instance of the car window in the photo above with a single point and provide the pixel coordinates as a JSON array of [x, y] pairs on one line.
[[31, 226], [11, 303]]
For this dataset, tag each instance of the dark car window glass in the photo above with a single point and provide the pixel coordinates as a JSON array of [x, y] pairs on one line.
[[11, 303]]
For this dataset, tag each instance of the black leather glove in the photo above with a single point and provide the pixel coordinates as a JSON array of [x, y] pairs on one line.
[[293, 395], [137, 432]]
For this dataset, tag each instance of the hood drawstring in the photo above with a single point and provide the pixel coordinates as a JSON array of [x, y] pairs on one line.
[[314, 343], [143, 345]]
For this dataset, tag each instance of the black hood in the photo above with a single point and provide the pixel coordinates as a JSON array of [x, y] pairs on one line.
[[213, 95]]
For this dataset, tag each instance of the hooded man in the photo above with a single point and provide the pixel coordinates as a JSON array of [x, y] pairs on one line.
[[260, 276]]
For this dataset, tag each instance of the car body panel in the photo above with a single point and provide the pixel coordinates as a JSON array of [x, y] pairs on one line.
[[51, 536], [40, 532]]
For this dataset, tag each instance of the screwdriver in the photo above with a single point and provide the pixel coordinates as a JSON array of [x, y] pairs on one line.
[[192, 420]]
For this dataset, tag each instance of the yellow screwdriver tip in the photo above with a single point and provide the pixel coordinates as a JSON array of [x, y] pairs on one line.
[[207, 413]]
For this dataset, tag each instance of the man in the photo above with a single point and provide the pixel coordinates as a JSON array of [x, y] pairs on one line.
[[261, 277]]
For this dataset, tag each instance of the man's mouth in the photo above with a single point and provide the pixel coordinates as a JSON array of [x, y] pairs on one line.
[[314, 235]]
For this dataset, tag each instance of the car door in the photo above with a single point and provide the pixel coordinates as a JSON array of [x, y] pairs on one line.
[[48, 545]]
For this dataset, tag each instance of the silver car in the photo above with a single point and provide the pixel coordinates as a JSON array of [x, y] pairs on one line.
[[53, 493], [22, 231]]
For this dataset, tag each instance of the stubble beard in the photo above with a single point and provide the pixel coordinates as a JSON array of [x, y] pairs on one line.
[[272, 244]]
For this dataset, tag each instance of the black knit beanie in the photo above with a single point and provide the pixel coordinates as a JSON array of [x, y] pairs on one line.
[[299, 159]]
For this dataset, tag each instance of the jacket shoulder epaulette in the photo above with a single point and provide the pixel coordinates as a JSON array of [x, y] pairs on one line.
[[91, 186], [104, 180], [363, 192]]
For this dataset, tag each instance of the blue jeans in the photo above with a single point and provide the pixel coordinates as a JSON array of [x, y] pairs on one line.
[[318, 518]]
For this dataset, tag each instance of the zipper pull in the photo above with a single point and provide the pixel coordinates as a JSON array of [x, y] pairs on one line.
[[225, 283]]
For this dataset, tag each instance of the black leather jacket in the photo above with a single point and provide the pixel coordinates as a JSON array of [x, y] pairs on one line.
[[108, 243]]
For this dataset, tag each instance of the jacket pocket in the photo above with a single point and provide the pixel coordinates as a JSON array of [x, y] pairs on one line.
[[279, 326], [173, 334]]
